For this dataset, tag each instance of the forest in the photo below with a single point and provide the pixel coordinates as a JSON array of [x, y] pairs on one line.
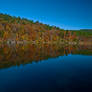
[[21, 30]]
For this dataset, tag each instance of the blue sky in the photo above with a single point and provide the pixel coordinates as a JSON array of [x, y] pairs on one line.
[[67, 14]]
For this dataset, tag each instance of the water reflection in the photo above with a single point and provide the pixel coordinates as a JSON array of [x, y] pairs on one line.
[[11, 55]]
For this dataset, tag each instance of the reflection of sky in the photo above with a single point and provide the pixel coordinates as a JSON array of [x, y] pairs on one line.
[[62, 71], [68, 14]]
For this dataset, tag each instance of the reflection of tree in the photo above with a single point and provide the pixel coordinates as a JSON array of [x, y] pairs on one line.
[[23, 54]]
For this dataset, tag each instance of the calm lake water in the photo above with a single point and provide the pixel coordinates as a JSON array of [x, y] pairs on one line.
[[45, 68]]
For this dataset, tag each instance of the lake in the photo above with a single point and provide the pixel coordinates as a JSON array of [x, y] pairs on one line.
[[45, 68]]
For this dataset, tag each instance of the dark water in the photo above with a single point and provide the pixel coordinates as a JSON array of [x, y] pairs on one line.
[[45, 68]]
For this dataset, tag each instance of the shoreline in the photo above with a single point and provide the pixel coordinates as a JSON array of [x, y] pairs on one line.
[[53, 42]]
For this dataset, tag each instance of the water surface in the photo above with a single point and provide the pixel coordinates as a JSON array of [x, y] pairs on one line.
[[45, 68]]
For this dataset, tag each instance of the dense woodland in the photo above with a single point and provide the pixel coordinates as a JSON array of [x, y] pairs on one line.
[[24, 30]]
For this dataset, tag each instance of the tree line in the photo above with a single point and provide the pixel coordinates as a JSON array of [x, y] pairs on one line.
[[22, 29]]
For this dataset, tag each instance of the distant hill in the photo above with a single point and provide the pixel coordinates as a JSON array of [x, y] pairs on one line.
[[86, 30]]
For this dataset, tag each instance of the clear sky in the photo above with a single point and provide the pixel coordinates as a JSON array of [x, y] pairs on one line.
[[67, 14]]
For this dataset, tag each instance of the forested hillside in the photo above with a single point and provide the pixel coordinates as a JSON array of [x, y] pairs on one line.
[[21, 29]]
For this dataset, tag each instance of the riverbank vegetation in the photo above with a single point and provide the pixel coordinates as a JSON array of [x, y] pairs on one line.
[[19, 30]]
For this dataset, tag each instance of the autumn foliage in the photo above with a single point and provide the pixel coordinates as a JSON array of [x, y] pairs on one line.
[[21, 29]]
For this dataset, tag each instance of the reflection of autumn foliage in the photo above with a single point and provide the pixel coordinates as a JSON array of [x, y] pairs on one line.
[[22, 54]]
